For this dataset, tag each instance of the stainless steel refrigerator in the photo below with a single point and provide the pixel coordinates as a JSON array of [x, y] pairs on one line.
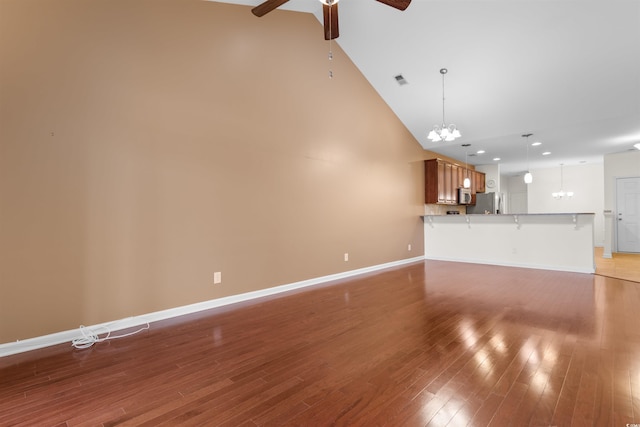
[[490, 203]]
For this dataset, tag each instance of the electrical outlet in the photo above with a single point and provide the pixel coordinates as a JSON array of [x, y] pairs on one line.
[[409, 247], [346, 256], [217, 277]]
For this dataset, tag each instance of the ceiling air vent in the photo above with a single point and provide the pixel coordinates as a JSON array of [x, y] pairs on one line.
[[401, 80]]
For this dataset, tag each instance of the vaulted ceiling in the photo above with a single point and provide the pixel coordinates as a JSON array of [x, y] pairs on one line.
[[566, 71]]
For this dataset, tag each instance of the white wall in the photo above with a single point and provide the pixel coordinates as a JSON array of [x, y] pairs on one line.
[[619, 165], [593, 185], [516, 194], [491, 172], [587, 183]]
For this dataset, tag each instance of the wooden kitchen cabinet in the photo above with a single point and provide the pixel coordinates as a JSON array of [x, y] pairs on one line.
[[439, 183], [472, 178], [479, 182], [442, 180], [436, 179], [461, 174], [455, 181]]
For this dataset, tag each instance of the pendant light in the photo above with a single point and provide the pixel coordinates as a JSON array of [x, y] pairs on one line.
[[467, 182], [528, 178], [444, 132]]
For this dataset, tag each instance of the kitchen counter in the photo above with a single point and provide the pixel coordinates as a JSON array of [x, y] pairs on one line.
[[553, 241]]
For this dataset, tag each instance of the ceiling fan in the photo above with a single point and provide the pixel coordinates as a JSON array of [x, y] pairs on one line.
[[330, 11]]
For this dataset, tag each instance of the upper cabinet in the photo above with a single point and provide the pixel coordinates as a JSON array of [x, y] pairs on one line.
[[480, 181], [442, 180], [438, 182]]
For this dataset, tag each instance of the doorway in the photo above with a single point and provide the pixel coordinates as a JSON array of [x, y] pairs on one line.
[[628, 214]]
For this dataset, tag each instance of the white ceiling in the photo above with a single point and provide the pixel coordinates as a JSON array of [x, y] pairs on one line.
[[567, 71]]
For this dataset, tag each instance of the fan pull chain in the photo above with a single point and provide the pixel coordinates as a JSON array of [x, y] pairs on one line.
[[330, 59], [330, 45]]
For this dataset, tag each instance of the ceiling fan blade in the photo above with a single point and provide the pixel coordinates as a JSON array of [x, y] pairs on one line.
[[330, 28], [398, 4], [266, 7]]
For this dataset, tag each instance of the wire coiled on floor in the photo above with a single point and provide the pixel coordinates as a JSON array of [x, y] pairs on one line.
[[90, 337]]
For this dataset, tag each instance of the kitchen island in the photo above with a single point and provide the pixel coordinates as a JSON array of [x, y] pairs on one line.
[[556, 241]]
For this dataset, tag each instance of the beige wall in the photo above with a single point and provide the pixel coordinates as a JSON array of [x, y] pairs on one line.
[[146, 144]]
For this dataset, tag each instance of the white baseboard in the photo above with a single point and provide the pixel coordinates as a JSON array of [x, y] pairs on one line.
[[22, 346]]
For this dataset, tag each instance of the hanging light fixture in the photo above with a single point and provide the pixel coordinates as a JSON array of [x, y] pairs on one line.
[[528, 178], [467, 182], [329, 18], [561, 194], [444, 132]]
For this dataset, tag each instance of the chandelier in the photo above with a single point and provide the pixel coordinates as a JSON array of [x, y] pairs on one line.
[[560, 194], [444, 132]]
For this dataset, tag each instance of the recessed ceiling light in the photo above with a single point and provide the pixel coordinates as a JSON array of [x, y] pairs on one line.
[[546, 153], [535, 144], [495, 159], [481, 151]]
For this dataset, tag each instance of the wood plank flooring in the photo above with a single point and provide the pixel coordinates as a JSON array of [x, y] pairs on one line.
[[621, 265], [432, 343]]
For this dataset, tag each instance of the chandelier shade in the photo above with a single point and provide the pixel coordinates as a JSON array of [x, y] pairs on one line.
[[560, 194], [444, 132]]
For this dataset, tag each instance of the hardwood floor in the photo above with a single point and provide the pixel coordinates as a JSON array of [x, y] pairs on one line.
[[432, 343], [621, 265]]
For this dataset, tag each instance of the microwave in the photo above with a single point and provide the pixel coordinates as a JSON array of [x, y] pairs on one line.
[[464, 196]]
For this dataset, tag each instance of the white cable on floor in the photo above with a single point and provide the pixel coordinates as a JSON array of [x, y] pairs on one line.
[[90, 337]]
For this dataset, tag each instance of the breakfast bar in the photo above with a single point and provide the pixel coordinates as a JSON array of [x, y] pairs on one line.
[[554, 241]]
